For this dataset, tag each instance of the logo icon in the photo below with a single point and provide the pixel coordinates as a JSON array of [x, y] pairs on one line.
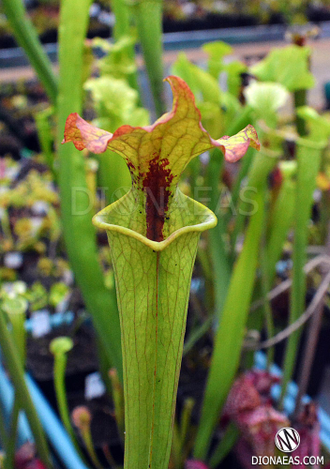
[[287, 439]]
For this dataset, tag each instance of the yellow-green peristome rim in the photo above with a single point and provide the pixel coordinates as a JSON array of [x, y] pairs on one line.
[[209, 221]]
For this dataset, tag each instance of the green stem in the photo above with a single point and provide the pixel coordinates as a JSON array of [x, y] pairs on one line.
[[60, 347], [265, 288], [148, 18], [87, 437], [309, 160], [221, 269], [45, 136], [17, 320], [16, 309], [60, 361], [176, 455], [108, 456], [228, 440], [11, 441], [261, 166], [219, 256], [281, 220], [79, 234], [16, 372], [120, 8], [122, 27], [180, 435], [188, 406], [27, 37], [230, 334]]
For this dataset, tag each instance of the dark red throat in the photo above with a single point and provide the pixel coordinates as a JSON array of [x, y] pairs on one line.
[[156, 185]]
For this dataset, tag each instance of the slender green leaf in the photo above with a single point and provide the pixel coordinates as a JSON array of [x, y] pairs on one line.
[[218, 252], [79, 234], [148, 19], [261, 166], [227, 442], [230, 335], [27, 38], [15, 368], [309, 159], [122, 32], [281, 220], [309, 153]]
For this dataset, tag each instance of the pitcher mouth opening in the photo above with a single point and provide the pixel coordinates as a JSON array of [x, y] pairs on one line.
[[188, 216]]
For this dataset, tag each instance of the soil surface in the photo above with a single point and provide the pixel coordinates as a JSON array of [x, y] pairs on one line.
[[81, 359]]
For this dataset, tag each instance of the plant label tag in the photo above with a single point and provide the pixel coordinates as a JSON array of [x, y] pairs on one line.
[[13, 260], [40, 323], [94, 386], [62, 306], [40, 207]]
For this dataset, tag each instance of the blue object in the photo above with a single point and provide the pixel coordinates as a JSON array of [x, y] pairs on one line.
[[24, 433], [54, 429], [56, 320]]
